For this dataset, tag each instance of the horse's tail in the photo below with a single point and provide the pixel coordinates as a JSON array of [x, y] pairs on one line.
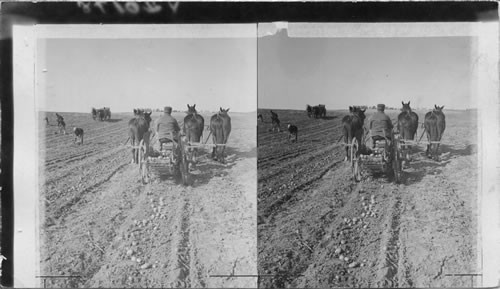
[[433, 131], [217, 130], [438, 131]]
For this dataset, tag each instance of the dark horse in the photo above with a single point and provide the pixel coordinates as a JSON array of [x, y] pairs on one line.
[[353, 127], [107, 113], [139, 130], [193, 129], [260, 117], [220, 126], [407, 125], [435, 125], [316, 111], [101, 114], [321, 110]]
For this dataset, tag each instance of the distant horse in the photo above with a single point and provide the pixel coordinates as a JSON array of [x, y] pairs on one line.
[[193, 129], [309, 111], [319, 111], [353, 127], [435, 124], [94, 113], [101, 114], [275, 121], [260, 117], [139, 130], [220, 126], [322, 110], [316, 111], [407, 124], [107, 113]]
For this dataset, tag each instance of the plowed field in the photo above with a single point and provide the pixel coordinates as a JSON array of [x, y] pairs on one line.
[[99, 222], [317, 227]]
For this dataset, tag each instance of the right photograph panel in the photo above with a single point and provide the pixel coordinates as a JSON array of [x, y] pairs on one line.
[[368, 157]]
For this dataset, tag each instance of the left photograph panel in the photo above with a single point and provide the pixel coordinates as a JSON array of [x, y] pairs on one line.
[[145, 164]]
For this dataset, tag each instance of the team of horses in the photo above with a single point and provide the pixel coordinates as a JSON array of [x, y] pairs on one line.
[[317, 111], [101, 113], [192, 128], [407, 124]]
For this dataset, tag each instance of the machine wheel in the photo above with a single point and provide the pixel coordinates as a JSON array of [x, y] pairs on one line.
[[143, 165], [356, 170]]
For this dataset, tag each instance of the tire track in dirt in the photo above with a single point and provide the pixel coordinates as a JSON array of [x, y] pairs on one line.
[[391, 248], [183, 250]]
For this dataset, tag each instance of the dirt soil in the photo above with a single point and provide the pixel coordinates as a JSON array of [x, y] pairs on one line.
[[100, 223], [317, 227]]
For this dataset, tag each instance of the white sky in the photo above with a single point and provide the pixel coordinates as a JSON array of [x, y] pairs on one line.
[[77, 74], [340, 72]]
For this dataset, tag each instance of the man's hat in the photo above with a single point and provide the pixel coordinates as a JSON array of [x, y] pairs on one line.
[[380, 106], [167, 109]]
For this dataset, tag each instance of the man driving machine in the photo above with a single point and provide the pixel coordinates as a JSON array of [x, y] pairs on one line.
[[380, 125], [167, 128]]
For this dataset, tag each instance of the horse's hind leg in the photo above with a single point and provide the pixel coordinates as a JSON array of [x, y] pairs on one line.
[[134, 160], [215, 152], [428, 150], [222, 160], [436, 153]]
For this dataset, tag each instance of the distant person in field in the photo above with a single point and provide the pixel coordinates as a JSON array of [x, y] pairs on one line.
[[46, 121], [78, 134], [61, 125], [275, 121], [167, 128], [380, 125], [293, 131]]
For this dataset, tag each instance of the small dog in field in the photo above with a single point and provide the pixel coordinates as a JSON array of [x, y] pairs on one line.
[[292, 131], [78, 134]]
